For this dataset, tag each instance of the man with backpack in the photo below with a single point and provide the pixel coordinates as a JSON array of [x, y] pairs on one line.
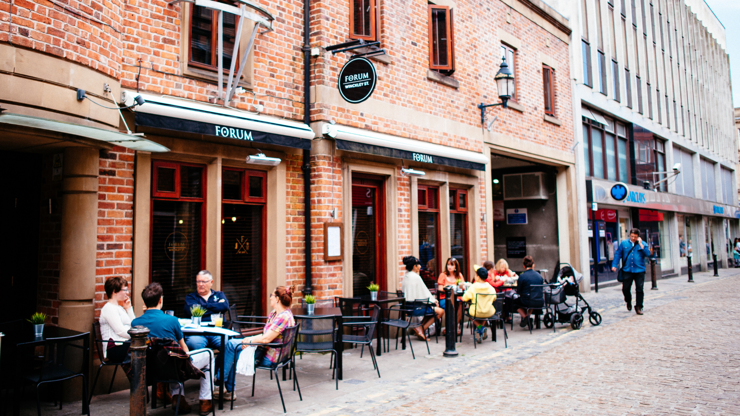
[[632, 253]]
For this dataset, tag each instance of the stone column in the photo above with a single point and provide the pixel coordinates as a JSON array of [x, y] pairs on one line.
[[78, 238]]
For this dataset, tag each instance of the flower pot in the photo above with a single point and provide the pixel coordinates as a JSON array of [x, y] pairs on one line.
[[374, 295], [309, 307], [196, 320], [38, 330]]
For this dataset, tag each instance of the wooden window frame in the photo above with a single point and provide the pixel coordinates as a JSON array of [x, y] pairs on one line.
[[246, 199], [155, 178], [549, 92], [374, 22], [455, 209], [450, 66], [214, 42]]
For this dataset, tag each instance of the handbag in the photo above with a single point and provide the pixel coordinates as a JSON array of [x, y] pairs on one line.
[[620, 276]]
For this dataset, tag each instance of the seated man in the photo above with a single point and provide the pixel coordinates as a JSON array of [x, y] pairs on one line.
[[213, 302], [162, 325], [485, 308], [529, 297]]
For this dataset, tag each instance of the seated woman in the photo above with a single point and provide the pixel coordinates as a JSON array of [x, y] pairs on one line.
[[414, 289], [280, 318], [480, 306], [497, 276], [451, 277], [115, 319]]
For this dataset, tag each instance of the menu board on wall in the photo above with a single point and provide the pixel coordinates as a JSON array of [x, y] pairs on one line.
[[516, 247]]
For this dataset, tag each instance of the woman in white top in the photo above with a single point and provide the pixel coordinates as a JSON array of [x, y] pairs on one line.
[[414, 289], [115, 319]]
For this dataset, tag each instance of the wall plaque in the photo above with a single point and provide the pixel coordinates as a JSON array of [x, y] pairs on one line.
[[516, 247]]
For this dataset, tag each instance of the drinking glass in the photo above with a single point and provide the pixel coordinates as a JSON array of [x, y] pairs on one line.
[[217, 319]]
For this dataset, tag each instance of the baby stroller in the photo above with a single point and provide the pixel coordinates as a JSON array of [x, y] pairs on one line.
[[566, 283]]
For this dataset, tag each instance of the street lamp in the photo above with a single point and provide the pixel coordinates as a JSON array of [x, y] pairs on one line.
[[505, 84]]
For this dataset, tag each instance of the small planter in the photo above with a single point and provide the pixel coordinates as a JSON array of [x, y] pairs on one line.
[[38, 330], [196, 320], [310, 307], [373, 295]]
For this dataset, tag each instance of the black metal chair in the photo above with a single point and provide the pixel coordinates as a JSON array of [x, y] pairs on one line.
[[63, 359], [404, 323], [100, 346], [286, 353], [537, 309], [493, 321], [317, 335], [368, 329], [432, 314]]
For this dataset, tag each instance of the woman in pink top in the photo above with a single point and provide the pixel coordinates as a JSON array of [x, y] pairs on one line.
[[451, 277]]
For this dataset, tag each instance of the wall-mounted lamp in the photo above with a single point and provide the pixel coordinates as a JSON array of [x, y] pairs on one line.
[[333, 213], [495, 181], [505, 84], [412, 172], [261, 159], [138, 100]]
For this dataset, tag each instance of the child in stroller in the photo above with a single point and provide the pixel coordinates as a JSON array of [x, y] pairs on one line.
[[566, 283]]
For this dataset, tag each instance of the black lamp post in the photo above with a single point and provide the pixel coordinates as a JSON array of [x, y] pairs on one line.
[[505, 85]]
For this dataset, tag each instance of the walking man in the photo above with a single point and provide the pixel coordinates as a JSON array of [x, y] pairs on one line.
[[633, 253]]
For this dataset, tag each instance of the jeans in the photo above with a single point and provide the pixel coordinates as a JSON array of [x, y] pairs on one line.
[[639, 279], [234, 347], [197, 342]]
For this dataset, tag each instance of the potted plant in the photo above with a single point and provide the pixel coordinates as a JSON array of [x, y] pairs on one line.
[[38, 319], [310, 303], [373, 288], [197, 313]]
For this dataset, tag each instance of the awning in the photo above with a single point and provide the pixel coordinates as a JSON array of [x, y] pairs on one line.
[[593, 115], [362, 141], [109, 136], [216, 121]]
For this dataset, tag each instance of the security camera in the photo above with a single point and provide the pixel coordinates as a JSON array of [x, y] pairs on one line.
[[412, 172], [329, 130], [677, 168]]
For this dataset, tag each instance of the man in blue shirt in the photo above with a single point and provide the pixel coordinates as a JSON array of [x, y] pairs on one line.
[[162, 325], [633, 253], [213, 302]]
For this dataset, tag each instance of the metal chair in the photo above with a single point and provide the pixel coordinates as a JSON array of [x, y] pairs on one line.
[[59, 364], [404, 323], [498, 305], [368, 329], [248, 326], [286, 352], [100, 346], [317, 335], [539, 309]]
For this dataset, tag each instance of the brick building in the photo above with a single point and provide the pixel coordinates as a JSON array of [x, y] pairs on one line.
[[177, 196]]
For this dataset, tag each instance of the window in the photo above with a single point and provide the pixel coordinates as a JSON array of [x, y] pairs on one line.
[[363, 20], [429, 248], [707, 179], [615, 78], [510, 54], [685, 179], [441, 39], [638, 86], [459, 227], [657, 101], [606, 150], [600, 49], [587, 80], [628, 87], [650, 158], [727, 193], [204, 38], [548, 79], [650, 101], [178, 234]]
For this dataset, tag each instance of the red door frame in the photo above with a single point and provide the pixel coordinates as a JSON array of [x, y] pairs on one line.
[[466, 240], [377, 183]]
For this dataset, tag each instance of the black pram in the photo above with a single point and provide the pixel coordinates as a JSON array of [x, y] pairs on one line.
[[566, 283]]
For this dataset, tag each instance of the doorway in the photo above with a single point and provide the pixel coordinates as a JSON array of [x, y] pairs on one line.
[[368, 234]]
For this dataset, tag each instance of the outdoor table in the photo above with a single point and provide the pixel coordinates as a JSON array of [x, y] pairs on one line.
[[302, 312], [24, 338], [224, 333], [382, 299]]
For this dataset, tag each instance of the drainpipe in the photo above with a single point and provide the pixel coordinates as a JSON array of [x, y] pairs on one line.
[[306, 167]]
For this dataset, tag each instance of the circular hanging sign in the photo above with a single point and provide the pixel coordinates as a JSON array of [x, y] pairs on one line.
[[357, 80], [619, 191]]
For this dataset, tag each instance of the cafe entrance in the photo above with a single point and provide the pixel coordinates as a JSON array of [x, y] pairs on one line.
[[368, 233]]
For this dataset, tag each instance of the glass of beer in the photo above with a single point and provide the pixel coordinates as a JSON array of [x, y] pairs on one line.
[[217, 318]]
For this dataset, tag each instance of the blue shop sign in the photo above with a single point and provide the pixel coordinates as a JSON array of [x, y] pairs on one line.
[[619, 191], [718, 210]]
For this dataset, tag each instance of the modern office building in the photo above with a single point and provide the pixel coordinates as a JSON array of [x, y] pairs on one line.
[[652, 99]]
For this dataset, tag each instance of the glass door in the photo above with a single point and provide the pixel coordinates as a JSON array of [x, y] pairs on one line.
[[428, 201], [368, 260], [459, 230]]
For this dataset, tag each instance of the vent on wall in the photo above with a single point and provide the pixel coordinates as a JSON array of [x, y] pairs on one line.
[[524, 186]]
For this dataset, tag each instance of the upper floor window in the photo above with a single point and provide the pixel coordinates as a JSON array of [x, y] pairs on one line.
[[204, 38], [441, 39], [548, 81], [363, 20], [509, 54]]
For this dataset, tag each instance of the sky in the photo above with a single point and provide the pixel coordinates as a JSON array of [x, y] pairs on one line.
[[728, 12]]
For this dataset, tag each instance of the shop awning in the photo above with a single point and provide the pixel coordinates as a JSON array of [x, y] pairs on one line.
[[109, 136], [362, 141], [193, 117], [593, 115]]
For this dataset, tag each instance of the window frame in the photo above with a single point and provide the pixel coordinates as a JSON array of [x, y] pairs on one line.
[[548, 92], [605, 133], [246, 199], [214, 42], [450, 66], [374, 22]]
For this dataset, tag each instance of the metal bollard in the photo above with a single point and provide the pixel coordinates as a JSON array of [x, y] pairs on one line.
[[450, 323], [691, 271], [137, 401], [714, 257], [654, 278]]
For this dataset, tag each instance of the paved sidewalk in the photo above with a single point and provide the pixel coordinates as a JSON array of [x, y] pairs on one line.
[[677, 358]]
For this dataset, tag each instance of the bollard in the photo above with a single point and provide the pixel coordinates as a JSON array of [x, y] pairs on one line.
[[450, 322], [714, 257], [691, 272], [654, 278], [137, 401]]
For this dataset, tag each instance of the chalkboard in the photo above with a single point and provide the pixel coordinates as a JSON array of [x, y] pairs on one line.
[[516, 247]]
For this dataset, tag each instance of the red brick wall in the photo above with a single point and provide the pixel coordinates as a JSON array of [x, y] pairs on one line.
[[295, 266], [115, 219]]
